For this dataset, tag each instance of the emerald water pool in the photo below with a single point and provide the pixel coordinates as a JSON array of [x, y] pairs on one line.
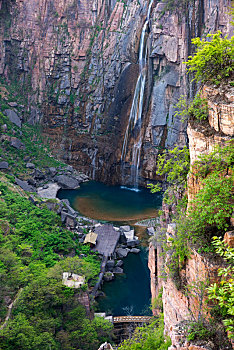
[[112, 203], [128, 294]]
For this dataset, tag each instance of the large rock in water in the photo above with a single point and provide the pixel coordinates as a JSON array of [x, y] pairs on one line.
[[13, 117], [67, 182], [122, 252]]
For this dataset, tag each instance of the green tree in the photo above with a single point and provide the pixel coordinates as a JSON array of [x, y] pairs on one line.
[[223, 291], [213, 61]]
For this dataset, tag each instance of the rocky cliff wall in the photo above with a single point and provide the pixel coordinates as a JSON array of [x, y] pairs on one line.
[[179, 306], [76, 63]]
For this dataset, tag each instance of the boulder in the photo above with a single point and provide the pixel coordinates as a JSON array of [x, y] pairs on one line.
[[126, 228], [122, 252], [13, 117], [129, 235], [69, 168], [38, 174], [32, 182], [71, 221], [110, 264], [16, 143], [117, 269], [135, 250], [119, 263], [24, 185], [4, 165], [52, 171], [30, 165], [53, 206], [150, 231], [63, 216], [67, 182], [108, 276], [67, 207], [13, 104], [49, 192], [133, 243]]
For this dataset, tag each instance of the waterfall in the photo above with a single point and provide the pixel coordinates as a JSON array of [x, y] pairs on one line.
[[135, 117], [93, 163]]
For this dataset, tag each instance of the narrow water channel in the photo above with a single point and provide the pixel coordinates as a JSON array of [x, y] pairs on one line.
[[128, 294]]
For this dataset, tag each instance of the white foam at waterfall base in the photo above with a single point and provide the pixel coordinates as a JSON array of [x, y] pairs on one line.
[[130, 188]]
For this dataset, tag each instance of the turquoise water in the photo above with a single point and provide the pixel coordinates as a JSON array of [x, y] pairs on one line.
[[112, 203], [128, 293]]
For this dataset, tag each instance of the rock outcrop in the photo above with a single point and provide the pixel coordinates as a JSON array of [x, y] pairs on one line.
[[75, 66], [180, 306]]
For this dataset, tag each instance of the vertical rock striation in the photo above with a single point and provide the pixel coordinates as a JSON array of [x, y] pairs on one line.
[[76, 63], [179, 306]]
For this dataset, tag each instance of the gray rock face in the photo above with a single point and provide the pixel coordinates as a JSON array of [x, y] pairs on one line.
[[24, 185], [52, 171], [150, 231], [30, 165], [49, 192], [13, 104], [117, 270], [67, 207], [122, 252], [16, 143], [110, 264], [67, 182], [4, 165], [126, 228], [133, 243], [135, 250], [71, 221], [108, 276], [13, 117], [119, 263]]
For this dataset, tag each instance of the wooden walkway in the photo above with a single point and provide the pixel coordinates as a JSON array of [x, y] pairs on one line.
[[132, 319]]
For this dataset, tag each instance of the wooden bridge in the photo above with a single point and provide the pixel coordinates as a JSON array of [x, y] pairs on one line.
[[132, 319]]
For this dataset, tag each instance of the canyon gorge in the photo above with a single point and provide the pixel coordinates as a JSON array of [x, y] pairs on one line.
[[77, 66], [100, 80]]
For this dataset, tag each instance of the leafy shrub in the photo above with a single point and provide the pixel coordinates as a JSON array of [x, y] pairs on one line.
[[213, 60], [199, 330], [197, 109], [174, 164], [209, 212], [223, 292], [149, 337]]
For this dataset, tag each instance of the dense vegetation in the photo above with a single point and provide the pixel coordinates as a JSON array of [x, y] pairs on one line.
[[149, 337], [213, 61], [34, 148], [208, 215], [34, 251]]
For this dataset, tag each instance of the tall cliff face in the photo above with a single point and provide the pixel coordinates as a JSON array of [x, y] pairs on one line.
[[77, 65], [178, 305]]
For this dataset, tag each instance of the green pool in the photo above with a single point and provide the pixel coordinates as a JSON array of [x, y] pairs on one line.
[[128, 294]]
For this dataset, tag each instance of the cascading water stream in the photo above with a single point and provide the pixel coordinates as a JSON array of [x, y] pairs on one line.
[[135, 117]]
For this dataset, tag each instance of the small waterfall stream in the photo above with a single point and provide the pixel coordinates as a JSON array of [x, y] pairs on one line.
[[135, 117]]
